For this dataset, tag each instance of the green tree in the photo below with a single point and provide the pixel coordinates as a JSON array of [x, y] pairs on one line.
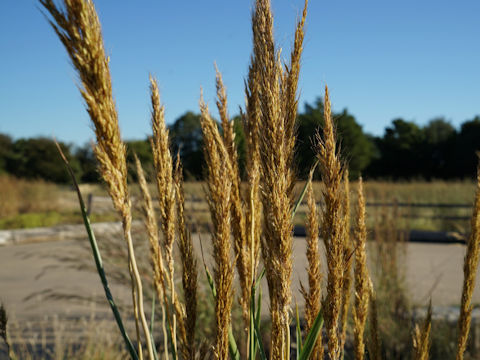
[[38, 158], [6, 145], [143, 149], [438, 130], [87, 163], [401, 152], [440, 137], [467, 146], [355, 146], [186, 138]]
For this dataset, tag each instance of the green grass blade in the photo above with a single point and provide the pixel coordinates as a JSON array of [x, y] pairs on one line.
[[259, 309], [98, 260], [172, 348], [298, 332], [312, 337], [232, 346], [259, 343], [251, 331], [304, 190], [211, 283], [259, 278], [255, 312]]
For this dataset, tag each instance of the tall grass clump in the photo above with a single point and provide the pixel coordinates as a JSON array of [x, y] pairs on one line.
[[21, 196], [469, 273], [252, 227]]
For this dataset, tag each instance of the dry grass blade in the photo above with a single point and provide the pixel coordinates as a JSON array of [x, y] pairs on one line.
[[251, 122], [314, 295], [78, 28], [163, 163], [219, 200], [237, 209], [332, 233], [421, 338], [189, 266], [277, 103], [374, 348], [469, 271], [362, 278], [292, 74], [348, 251], [156, 256]]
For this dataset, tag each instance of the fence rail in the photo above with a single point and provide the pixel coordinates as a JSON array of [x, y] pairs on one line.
[[420, 205]]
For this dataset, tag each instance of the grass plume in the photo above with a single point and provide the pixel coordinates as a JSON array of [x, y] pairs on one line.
[[78, 28], [314, 295], [251, 123], [421, 338], [156, 256], [332, 224], [277, 100], [348, 252], [219, 201], [189, 267], [469, 273], [163, 163], [362, 284], [239, 229]]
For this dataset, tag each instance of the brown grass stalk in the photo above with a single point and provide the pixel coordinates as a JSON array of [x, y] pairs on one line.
[[189, 267], [362, 278], [277, 101], [332, 233], [292, 72], [219, 200], [251, 122], [163, 163], [156, 256], [314, 295], [348, 252], [239, 229], [421, 338], [78, 28], [470, 272]]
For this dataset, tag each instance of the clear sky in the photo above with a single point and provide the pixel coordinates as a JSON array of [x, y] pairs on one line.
[[382, 59]]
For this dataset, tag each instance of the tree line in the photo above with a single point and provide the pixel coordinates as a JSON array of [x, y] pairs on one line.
[[405, 151]]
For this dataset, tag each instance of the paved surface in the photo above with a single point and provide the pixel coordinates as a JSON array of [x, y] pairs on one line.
[[46, 286], [36, 279]]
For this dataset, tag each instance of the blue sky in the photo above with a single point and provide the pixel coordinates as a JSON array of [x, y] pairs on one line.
[[381, 60]]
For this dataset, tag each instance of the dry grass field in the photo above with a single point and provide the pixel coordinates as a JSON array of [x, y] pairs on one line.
[[30, 204]]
